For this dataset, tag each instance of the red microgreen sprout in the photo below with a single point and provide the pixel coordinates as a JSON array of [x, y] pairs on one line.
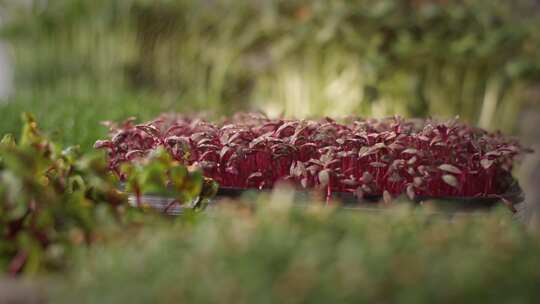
[[386, 157]]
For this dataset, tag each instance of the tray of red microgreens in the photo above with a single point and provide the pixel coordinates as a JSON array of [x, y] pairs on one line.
[[354, 160]]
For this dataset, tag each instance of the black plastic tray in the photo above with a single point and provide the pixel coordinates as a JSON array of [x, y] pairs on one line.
[[511, 199]]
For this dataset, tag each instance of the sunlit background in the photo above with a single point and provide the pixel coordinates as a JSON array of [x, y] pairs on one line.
[[77, 62]]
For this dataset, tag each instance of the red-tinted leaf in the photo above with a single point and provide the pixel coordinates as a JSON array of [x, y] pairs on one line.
[[103, 144], [367, 177], [486, 163], [297, 169], [134, 153], [254, 176], [324, 177], [150, 130], [450, 180], [232, 170], [412, 160], [450, 168], [409, 151]]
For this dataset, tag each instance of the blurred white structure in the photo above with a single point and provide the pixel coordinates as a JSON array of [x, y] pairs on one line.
[[6, 73]]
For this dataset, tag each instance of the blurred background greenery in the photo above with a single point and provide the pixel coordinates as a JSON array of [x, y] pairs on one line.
[[272, 252], [77, 61]]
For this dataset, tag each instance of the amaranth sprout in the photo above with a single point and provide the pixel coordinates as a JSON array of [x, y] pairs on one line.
[[365, 157]]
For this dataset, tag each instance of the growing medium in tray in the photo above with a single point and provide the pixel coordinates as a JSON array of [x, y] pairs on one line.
[[386, 157]]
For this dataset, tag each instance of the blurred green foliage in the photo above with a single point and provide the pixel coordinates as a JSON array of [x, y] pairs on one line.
[[475, 58], [54, 199], [188, 187], [51, 200], [273, 252]]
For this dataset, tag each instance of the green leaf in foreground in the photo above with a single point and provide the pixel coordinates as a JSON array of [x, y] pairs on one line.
[[53, 200]]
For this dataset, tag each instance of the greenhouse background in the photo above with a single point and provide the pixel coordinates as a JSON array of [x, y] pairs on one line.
[[474, 59]]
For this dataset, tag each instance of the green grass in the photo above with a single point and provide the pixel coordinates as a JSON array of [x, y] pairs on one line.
[[275, 253], [75, 119]]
